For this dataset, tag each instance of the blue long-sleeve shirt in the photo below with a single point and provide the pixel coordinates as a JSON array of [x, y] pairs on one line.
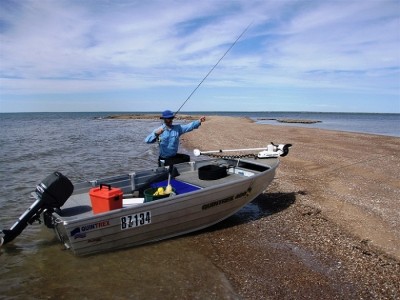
[[169, 139]]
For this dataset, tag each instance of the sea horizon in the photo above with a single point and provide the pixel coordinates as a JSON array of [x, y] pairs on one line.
[[387, 124], [201, 111]]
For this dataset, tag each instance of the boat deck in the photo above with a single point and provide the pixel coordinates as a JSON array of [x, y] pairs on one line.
[[79, 205]]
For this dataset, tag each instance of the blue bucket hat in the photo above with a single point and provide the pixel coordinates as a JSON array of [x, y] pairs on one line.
[[167, 114]]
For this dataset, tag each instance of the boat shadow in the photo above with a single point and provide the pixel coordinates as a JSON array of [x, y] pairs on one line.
[[262, 206]]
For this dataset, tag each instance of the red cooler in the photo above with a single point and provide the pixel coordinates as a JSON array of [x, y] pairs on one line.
[[105, 198]]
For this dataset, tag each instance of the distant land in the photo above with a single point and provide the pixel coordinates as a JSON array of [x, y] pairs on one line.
[[190, 117]]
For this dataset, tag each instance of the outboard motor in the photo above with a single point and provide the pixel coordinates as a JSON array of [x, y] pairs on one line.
[[51, 193]]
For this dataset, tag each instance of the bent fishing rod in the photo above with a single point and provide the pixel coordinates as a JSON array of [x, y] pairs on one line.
[[212, 69]]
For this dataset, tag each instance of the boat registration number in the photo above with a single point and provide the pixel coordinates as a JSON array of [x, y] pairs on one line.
[[136, 220]]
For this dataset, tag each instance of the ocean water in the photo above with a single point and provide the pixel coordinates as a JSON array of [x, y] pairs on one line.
[[85, 146], [381, 124]]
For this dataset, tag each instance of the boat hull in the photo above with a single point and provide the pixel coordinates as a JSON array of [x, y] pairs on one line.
[[142, 223]]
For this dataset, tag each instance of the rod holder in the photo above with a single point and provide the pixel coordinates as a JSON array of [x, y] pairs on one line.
[[132, 179]]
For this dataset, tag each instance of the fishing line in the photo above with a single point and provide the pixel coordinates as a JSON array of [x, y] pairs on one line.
[[209, 72]]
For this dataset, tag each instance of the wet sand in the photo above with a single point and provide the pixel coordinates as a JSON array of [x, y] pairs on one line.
[[327, 228]]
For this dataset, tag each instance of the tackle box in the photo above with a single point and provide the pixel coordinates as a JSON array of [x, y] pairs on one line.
[[105, 198]]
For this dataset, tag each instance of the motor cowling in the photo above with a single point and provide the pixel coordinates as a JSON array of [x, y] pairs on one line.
[[54, 190]]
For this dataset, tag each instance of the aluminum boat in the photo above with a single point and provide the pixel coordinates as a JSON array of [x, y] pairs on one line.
[[204, 192]]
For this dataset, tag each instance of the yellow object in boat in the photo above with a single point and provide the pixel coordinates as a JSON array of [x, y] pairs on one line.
[[159, 192]]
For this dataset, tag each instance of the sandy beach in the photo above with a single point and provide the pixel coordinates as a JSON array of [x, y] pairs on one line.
[[328, 226]]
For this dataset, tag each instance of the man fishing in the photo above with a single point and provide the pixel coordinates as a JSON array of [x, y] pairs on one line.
[[167, 137], [168, 134]]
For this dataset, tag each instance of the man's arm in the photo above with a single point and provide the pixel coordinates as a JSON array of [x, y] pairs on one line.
[[193, 125], [152, 137]]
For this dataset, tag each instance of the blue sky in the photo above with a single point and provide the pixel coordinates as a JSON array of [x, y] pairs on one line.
[[99, 55]]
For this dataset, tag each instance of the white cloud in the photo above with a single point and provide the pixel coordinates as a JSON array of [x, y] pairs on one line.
[[88, 46]]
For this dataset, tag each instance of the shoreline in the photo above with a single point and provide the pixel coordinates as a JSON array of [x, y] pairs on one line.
[[192, 117], [344, 219]]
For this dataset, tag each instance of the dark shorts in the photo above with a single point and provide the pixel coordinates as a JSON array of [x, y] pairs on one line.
[[178, 158]]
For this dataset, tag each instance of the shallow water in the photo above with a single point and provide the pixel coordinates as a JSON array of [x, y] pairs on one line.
[[165, 270]]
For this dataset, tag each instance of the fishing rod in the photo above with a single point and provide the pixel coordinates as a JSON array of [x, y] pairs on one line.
[[209, 72]]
